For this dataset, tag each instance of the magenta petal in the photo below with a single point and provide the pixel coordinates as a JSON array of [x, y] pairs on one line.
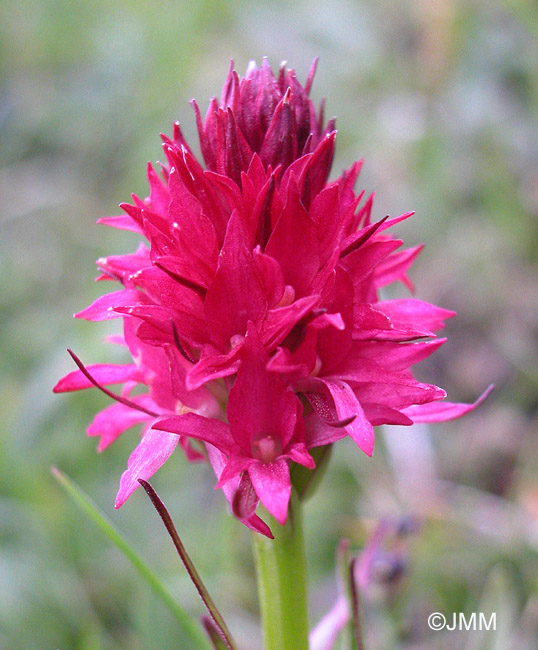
[[326, 320], [367, 371], [271, 276], [297, 366], [380, 414], [442, 411], [218, 462], [319, 433], [414, 313], [362, 262], [398, 396], [115, 339], [395, 265], [346, 404], [367, 320], [125, 268], [122, 222], [245, 500], [390, 354], [103, 308], [370, 324], [325, 213], [360, 237], [193, 231], [333, 342], [320, 163], [235, 467], [167, 292], [272, 484], [214, 367], [197, 426], [162, 317], [152, 452], [103, 373], [392, 222], [294, 245], [258, 525], [183, 272], [280, 142], [280, 322], [112, 421], [298, 453], [236, 294], [260, 404], [159, 194]]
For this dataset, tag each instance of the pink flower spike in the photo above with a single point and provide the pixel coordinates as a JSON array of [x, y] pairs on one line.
[[252, 311]]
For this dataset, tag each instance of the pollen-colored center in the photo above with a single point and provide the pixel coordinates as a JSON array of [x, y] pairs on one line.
[[266, 448]]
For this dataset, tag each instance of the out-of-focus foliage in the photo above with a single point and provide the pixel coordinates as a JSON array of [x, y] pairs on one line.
[[441, 99]]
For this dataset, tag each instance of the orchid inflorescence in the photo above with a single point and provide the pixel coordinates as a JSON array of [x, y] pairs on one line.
[[253, 315]]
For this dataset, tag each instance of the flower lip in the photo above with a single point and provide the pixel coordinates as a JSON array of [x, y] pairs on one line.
[[266, 448]]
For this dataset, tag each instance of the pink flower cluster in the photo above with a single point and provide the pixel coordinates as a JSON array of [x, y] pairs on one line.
[[253, 318]]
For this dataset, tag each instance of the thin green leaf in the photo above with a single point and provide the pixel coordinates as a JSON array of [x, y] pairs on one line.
[[188, 624]]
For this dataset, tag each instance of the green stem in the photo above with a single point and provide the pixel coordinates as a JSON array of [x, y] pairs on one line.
[[281, 572]]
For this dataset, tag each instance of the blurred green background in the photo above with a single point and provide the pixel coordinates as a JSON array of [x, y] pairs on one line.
[[441, 99]]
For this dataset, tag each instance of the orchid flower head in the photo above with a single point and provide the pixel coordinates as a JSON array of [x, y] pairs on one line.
[[252, 312]]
